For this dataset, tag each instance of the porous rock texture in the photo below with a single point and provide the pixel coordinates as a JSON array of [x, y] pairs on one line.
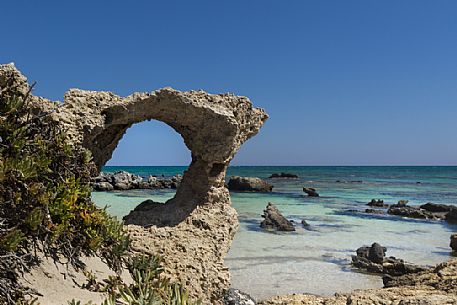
[[192, 231]]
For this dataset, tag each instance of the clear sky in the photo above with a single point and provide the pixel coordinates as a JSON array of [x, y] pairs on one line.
[[344, 82]]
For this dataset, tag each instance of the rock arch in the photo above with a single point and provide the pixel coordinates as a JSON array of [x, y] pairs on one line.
[[194, 230], [213, 128]]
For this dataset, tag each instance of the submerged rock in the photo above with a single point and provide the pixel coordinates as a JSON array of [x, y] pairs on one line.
[[283, 175], [248, 184], [374, 260], [453, 243], [236, 297], [311, 192], [274, 220]]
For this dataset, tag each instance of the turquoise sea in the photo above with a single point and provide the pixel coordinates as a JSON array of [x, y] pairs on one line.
[[317, 260]]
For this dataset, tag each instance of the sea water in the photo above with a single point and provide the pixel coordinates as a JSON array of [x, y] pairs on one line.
[[317, 259]]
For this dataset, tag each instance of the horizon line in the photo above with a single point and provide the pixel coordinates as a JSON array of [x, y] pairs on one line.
[[400, 165]]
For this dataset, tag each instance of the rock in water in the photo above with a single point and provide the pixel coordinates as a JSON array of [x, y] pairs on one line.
[[377, 203], [305, 223], [412, 212], [236, 297], [311, 192], [273, 220], [248, 184], [437, 208], [453, 244], [376, 253], [451, 216], [374, 260], [283, 175], [402, 203]]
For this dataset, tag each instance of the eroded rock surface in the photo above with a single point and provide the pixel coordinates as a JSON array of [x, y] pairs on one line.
[[194, 230]]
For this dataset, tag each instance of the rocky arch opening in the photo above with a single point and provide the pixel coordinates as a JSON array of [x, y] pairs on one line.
[[165, 148], [142, 171]]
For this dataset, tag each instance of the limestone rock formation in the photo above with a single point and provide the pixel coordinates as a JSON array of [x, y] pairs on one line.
[[193, 230]]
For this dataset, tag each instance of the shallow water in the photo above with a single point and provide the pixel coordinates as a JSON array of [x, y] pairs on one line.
[[317, 260]]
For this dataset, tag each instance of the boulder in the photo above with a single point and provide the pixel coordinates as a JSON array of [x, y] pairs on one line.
[[377, 203], [236, 297], [311, 192], [453, 244], [273, 220], [283, 175], [248, 184]]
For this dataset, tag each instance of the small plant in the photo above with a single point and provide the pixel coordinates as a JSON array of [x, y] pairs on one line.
[[148, 287]]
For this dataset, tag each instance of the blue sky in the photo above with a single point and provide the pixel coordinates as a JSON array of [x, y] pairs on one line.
[[345, 82]]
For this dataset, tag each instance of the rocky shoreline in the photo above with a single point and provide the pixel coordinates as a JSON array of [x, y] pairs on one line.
[[436, 286], [122, 180]]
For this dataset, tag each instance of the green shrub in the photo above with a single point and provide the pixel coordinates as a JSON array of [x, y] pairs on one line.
[[45, 200]]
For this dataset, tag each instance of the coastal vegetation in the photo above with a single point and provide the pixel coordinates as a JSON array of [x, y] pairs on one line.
[[46, 209]]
